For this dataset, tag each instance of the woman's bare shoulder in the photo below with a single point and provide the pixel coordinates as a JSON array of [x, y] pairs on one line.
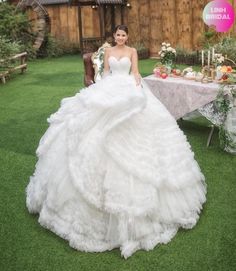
[[132, 50], [108, 49]]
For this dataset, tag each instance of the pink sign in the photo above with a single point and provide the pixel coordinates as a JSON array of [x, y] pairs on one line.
[[219, 14]]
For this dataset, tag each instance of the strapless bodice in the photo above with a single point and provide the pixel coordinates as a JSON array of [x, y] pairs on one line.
[[119, 66]]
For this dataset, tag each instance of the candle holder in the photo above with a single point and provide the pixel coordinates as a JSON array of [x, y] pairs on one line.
[[209, 71]]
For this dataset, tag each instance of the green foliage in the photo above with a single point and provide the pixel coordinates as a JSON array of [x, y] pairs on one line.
[[16, 27], [222, 44], [184, 52], [225, 139], [227, 46], [68, 48], [7, 50], [53, 47], [224, 103], [187, 56], [210, 37], [50, 47], [14, 24]]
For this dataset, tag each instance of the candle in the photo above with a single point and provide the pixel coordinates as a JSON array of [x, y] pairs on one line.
[[213, 54], [202, 58], [208, 58]]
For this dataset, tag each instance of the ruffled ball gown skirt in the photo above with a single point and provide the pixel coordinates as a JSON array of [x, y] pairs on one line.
[[114, 169]]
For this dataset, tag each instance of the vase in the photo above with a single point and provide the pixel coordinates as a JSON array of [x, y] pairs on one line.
[[168, 64]]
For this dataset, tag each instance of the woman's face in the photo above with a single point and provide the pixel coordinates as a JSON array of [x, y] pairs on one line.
[[120, 37]]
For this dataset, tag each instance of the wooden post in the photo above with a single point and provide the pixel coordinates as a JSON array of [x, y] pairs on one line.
[[155, 27], [101, 20], [80, 28], [112, 18], [122, 14]]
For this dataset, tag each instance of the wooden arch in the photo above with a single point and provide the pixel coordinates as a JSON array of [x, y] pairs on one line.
[[42, 21]]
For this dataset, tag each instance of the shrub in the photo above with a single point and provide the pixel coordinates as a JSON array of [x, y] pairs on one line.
[[7, 50], [49, 48], [15, 27], [227, 46], [52, 47], [188, 57]]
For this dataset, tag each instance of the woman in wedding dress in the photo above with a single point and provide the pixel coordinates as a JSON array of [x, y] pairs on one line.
[[114, 170]]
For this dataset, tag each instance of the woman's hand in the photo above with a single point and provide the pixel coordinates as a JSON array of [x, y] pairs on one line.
[[137, 78]]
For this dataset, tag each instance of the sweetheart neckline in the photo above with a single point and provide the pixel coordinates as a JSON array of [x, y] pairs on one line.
[[120, 58]]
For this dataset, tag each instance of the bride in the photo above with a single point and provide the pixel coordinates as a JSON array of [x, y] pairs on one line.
[[114, 170]]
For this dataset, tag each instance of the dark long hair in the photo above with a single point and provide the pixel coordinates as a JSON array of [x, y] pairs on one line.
[[122, 27]]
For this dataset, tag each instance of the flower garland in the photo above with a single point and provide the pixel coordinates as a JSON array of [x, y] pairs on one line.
[[225, 103]]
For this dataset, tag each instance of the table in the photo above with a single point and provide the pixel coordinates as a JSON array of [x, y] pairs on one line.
[[181, 96]]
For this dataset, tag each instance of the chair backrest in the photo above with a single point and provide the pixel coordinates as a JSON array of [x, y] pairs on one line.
[[88, 69], [94, 65]]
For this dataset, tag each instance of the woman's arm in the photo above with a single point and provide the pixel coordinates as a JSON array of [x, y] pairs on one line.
[[134, 66]]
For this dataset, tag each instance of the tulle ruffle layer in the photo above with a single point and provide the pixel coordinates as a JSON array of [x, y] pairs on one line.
[[115, 170]]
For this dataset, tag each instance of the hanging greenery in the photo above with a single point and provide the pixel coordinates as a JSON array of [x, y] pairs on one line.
[[225, 102]]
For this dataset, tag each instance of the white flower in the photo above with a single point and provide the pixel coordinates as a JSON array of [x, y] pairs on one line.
[[221, 59], [168, 44], [163, 43], [162, 55], [163, 48], [169, 49]]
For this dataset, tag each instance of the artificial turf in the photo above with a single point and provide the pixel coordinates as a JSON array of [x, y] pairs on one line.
[[25, 103]]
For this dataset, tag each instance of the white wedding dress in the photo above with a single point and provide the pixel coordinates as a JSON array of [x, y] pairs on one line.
[[114, 169]]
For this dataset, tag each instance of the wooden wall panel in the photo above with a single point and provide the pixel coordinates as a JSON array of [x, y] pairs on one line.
[[54, 14], [87, 21], [71, 25], [144, 21], [96, 25], [63, 15], [117, 16], [184, 15], [197, 23], [169, 29], [133, 22], [150, 22], [155, 26], [233, 29]]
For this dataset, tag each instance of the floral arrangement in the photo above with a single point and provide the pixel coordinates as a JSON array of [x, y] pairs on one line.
[[167, 53], [218, 59], [223, 74]]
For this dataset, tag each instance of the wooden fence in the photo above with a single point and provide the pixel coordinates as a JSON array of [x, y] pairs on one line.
[[150, 22], [12, 65]]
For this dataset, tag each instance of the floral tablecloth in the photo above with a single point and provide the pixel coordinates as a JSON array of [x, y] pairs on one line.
[[181, 96]]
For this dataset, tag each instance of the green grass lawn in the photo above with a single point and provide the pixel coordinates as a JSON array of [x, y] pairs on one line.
[[25, 103]]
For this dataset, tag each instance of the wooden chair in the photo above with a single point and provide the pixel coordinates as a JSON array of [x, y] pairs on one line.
[[88, 69]]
